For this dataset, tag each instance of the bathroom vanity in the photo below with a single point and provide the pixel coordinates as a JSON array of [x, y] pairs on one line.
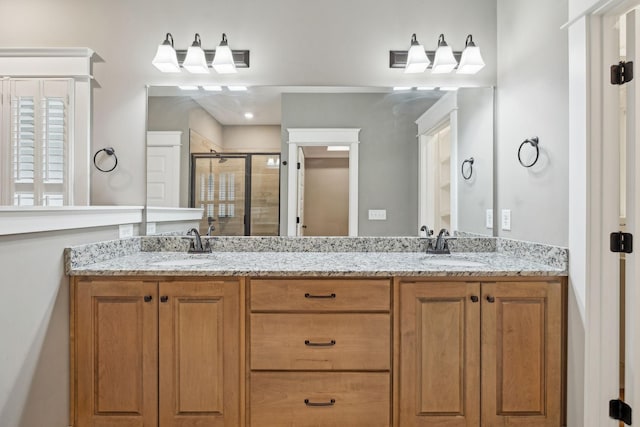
[[294, 338]]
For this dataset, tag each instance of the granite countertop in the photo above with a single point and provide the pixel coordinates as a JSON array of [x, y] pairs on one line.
[[320, 264]]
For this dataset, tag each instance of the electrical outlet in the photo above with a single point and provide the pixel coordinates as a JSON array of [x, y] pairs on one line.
[[377, 214], [125, 231], [489, 218], [151, 228], [506, 219]]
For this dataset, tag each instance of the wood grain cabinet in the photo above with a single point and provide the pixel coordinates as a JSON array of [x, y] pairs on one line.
[[148, 353], [320, 353], [481, 354]]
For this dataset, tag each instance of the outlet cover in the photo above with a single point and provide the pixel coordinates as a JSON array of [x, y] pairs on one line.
[[377, 214], [489, 218], [506, 219], [151, 228], [125, 230]]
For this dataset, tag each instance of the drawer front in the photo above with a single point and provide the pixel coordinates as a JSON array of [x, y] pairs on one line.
[[320, 295], [334, 341], [319, 399]]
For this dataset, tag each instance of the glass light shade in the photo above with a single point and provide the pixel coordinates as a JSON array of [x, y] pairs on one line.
[[444, 61], [223, 60], [195, 62], [471, 61], [417, 60], [166, 59]]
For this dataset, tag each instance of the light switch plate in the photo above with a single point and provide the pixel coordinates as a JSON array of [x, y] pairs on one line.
[[151, 228], [506, 219], [489, 218], [377, 214], [125, 230]]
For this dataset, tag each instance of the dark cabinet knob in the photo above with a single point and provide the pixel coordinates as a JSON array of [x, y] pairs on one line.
[[148, 298], [164, 298], [491, 299], [474, 298]]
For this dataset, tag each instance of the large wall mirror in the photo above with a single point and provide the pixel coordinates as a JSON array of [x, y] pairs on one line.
[[228, 153]]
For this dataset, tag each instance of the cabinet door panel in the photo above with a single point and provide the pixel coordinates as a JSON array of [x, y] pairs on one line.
[[521, 354], [439, 365], [117, 354], [199, 354]]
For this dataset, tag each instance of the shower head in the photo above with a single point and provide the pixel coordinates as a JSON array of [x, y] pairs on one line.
[[218, 156]]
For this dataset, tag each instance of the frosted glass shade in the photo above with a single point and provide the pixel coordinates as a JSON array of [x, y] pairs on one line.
[[223, 60], [166, 59], [195, 62], [471, 61], [444, 61], [417, 60]]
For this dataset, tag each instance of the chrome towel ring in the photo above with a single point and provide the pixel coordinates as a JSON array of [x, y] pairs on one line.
[[534, 142], [467, 176], [110, 152]]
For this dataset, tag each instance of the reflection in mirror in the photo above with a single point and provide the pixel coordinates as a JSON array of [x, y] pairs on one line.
[[234, 164]]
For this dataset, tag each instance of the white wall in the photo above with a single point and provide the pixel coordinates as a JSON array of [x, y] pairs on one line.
[[532, 100], [292, 43]]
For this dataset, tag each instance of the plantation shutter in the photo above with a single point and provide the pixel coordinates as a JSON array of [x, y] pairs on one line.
[[39, 142]]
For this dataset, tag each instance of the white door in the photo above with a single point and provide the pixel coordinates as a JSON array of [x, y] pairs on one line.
[[163, 168], [300, 225]]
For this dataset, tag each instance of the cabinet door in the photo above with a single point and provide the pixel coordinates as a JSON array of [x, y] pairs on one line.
[[440, 354], [521, 354], [116, 357], [199, 353]]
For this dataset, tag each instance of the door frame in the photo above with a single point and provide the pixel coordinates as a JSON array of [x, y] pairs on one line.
[[310, 137]]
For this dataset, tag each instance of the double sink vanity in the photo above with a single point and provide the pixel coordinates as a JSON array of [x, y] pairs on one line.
[[317, 332]]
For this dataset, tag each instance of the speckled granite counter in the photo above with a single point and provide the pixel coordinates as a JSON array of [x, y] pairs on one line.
[[129, 258]]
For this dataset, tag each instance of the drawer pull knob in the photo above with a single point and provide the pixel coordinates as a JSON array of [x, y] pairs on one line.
[[329, 403], [148, 298], [319, 344], [491, 299], [319, 296], [474, 298]]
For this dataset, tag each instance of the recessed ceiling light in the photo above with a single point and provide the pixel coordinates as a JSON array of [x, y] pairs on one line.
[[448, 89], [402, 88], [212, 88], [426, 88], [237, 88], [248, 115], [337, 148], [188, 87]]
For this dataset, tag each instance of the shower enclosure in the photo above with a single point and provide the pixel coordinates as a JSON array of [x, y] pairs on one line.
[[239, 193]]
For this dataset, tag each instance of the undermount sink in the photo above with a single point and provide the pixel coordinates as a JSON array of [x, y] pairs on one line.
[[453, 262], [180, 262]]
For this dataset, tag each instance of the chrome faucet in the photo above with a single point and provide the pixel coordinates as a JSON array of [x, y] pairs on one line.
[[428, 233], [196, 246], [441, 246], [210, 229]]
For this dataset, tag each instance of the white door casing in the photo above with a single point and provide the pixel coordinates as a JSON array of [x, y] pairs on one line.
[[300, 222], [299, 137]]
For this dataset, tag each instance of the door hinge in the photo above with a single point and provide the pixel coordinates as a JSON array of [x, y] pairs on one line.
[[622, 73], [298, 165], [621, 242], [618, 410]]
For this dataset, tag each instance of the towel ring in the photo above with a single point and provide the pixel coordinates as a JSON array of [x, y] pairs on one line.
[[467, 176], [111, 152], [534, 142]]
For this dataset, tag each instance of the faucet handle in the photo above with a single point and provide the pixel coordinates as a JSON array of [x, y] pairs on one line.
[[426, 230]]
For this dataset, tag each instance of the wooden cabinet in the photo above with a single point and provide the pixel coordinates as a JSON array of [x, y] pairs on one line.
[[455, 336], [156, 353], [320, 353]]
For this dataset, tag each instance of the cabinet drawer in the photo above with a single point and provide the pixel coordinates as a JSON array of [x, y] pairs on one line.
[[320, 341], [320, 295], [342, 399]]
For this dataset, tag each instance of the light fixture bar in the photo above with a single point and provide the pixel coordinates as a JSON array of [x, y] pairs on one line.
[[240, 57], [398, 58]]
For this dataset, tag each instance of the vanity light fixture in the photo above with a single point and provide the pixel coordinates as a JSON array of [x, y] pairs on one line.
[[444, 61], [188, 87], [198, 60], [223, 61], [166, 59], [471, 61], [417, 60], [399, 88], [426, 88], [212, 88], [195, 62]]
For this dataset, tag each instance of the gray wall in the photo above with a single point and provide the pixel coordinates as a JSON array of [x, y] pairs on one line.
[[475, 139], [388, 151], [533, 100], [34, 326], [290, 43]]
